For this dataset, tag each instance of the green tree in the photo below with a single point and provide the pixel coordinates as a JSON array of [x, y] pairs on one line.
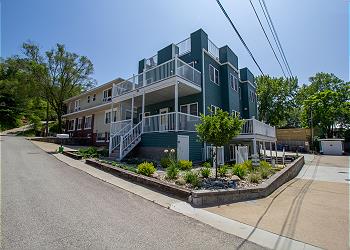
[[276, 101], [58, 74], [218, 129]]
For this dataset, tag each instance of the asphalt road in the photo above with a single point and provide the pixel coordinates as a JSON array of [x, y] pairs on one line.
[[46, 204]]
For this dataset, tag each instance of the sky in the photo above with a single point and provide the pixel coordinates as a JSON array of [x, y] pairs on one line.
[[116, 34]]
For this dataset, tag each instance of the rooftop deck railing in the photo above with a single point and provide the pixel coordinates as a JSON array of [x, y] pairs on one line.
[[159, 73], [213, 49], [184, 46]]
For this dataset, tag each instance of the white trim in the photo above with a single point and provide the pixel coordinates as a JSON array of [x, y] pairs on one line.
[[188, 105], [228, 63], [88, 109], [107, 98], [77, 105], [235, 80], [246, 81], [110, 116]]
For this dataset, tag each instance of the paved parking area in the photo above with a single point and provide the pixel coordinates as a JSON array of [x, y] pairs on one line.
[[312, 208]]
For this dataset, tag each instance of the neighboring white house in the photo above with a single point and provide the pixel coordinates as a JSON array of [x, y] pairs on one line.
[[332, 146]]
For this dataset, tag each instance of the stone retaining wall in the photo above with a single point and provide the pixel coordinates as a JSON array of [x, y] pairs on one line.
[[72, 155], [73, 141], [144, 180], [203, 198]]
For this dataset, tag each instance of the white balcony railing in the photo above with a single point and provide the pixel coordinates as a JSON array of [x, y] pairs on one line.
[[158, 73], [253, 126], [213, 49], [184, 46]]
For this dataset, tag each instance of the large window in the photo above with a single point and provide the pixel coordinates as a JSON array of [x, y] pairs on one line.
[[107, 95], [88, 121], [214, 74], [108, 117], [191, 108], [252, 96], [234, 82], [77, 105], [79, 123], [71, 124]]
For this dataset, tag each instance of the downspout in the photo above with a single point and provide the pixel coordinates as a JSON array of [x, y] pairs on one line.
[[203, 91]]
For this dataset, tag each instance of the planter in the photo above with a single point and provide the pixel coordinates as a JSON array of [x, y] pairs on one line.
[[72, 154]]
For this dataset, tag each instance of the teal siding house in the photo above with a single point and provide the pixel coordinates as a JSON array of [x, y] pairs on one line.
[[158, 108]]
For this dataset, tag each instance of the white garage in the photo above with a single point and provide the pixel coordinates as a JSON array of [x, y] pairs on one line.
[[332, 146]]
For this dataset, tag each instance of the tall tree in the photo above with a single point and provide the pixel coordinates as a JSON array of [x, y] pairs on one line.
[[59, 74], [218, 129], [276, 101]]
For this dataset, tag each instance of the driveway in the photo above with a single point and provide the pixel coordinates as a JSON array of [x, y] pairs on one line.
[[47, 204], [312, 208]]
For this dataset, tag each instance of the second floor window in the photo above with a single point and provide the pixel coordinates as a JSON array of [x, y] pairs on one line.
[[108, 117], [88, 99], [234, 82], [191, 109], [252, 96], [77, 105], [94, 97], [214, 74], [107, 95]]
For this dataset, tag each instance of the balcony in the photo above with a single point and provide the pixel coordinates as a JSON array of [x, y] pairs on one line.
[[258, 129], [165, 71]]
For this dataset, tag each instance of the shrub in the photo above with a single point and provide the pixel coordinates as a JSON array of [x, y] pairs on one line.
[[165, 162], [171, 172], [206, 164], [192, 178], [223, 170], [205, 172], [146, 168], [248, 164], [103, 152], [240, 170], [185, 164], [254, 177], [265, 169], [89, 152]]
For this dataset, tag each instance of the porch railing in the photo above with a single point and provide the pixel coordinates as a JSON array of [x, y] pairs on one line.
[[253, 126], [184, 46], [158, 73], [118, 129]]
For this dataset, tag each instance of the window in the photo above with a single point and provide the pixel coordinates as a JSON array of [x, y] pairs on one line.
[[191, 108], [80, 123], [213, 74], [236, 113], [240, 93], [252, 96], [77, 105], [107, 95], [94, 97], [114, 116], [234, 82], [107, 117], [88, 121], [213, 109], [88, 99], [146, 114], [71, 124]]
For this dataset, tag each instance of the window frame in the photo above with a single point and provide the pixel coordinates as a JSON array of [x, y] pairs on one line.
[[234, 82], [216, 75], [188, 108], [86, 117], [107, 98], [88, 98], [94, 97], [236, 113], [77, 105], [81, 123], [69, 123], [215, 108], [105, 117]]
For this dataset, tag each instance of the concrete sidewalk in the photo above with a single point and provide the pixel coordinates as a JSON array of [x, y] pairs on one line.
[[312, 208], [244, 230]]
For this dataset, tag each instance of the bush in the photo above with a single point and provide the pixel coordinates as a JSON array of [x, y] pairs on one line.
[[185, 164], [89, 152], [205, 172], [165, 162], [248, 164], [265, 169], [146, 168], [192, 178], [254, 177], [172, 171], [103, 152], [223, 170], [240, 170], [206, 164]]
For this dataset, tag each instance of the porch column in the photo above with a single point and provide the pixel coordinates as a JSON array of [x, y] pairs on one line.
[[264, 145], [276, 150], [143, 110], [132, 110], [176, 106], [254, 147], [271, 151]]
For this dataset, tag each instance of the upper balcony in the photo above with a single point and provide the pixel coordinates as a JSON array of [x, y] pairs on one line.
[[163, 75]]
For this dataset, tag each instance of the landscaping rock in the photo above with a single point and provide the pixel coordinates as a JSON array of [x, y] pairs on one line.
[[180, 182], [235, 178]]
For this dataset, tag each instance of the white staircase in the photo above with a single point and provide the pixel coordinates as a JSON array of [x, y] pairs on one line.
[[121, 143]]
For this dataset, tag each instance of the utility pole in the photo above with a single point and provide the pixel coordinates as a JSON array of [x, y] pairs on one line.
[[47, 119]]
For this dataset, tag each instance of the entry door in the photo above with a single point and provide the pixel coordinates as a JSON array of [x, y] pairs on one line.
[[163, 119], [183, 147]]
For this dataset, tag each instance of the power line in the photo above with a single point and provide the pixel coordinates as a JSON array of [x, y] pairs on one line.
[[262, 27], [275, 35], [239, 36]]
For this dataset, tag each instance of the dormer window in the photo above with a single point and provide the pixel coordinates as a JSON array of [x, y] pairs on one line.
[[94, 97], [107, 95]]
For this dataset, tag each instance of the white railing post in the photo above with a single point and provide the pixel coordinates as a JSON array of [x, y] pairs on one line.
[[144, 77], [176, 106], [121, 147], [143, 111], [110, 145]]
